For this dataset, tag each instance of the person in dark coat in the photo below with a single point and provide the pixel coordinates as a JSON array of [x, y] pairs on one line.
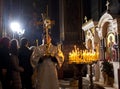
[[14, 64], [24, 55], [4, 62]]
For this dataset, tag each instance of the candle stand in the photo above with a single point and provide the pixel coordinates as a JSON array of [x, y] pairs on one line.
[[79, 68], [80, 58], [91, 77]]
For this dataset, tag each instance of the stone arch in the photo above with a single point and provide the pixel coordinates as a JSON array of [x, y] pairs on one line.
[[104, 20]]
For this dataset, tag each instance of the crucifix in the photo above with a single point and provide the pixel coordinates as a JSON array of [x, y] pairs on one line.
[[107, 4], [47, 23]]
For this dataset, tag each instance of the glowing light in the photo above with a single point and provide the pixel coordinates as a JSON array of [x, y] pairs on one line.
[[16, 28], [83, 56]]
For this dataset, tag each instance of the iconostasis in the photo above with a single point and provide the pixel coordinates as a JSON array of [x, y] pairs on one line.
[[108, 34]]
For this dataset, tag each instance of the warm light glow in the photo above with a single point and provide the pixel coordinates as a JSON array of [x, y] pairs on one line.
[[83, 56]]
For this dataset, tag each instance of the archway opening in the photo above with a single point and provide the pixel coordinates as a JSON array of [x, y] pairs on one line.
[[104, 29]]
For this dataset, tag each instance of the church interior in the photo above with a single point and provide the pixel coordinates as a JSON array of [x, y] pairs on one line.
[[87, 31]]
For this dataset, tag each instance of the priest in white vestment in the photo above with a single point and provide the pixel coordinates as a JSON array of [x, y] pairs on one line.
[[45, 59]]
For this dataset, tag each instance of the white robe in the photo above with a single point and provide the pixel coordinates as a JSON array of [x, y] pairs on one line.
[[46, 71]]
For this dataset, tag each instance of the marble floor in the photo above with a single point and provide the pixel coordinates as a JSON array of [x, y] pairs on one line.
[[66, 84], [73, 84]]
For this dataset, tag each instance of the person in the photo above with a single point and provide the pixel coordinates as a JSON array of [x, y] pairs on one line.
[[44, 60], [14, 64], [111, 50], [24, 54], [4, 62]]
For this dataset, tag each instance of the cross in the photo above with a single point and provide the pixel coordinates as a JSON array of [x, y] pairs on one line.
[[107, 4], [42, 23], [47, 23]]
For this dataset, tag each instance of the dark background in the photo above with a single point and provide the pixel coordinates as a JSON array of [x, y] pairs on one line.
[[28, 12]]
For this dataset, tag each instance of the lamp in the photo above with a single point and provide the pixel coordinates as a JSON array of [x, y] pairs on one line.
[[15, 27]]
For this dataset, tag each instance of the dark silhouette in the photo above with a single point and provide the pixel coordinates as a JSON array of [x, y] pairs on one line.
[[4, 62], [24, 61], [14, 65]]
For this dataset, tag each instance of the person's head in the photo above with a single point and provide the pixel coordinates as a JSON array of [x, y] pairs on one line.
[[24, 42], [5, 42], [14, 46]]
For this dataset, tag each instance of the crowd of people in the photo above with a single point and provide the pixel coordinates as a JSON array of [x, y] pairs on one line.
[[15, 67], [18, 64]]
